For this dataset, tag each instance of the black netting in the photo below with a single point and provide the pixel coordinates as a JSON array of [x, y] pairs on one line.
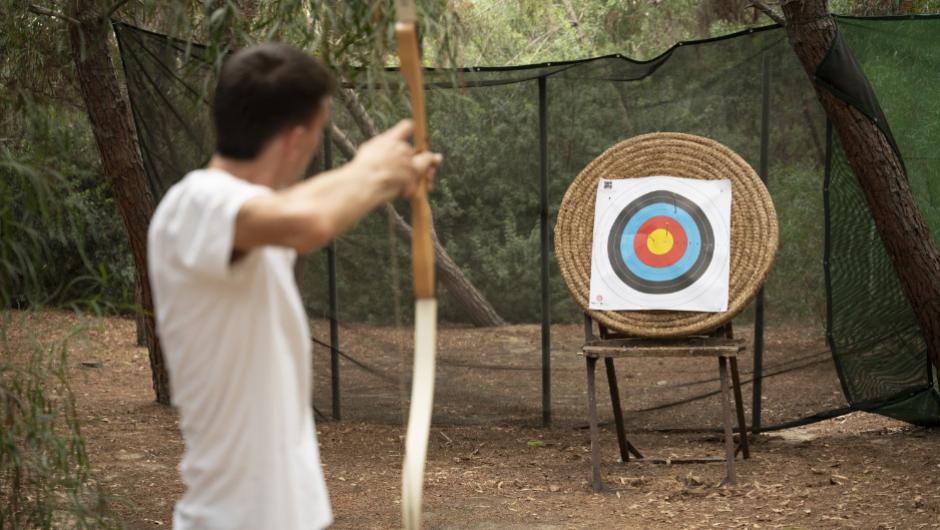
[[875, 338], [487, 214], [878, 346]]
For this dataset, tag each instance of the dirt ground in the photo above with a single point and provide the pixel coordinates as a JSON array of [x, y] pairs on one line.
[[492, 466]]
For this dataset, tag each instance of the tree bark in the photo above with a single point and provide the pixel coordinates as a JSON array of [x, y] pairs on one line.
[[880, 173], [110, 117], [140, 319], [478, 309], [817, 137]]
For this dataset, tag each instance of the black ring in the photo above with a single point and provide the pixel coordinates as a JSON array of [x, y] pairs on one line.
[[685, 279]]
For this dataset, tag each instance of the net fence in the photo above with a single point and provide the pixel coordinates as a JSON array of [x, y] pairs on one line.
[[488, 210]]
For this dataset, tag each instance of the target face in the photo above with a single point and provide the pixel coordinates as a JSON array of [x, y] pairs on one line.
[[661, 243]]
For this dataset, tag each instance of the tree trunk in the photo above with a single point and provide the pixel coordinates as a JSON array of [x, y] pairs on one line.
[[479, 310], [140, 318], [472, 301], [110, 117], [880, 173]]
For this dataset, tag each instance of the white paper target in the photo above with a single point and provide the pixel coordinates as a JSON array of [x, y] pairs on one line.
[[661, 243]]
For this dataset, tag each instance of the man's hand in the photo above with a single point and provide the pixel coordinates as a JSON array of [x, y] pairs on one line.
[[392, 161]]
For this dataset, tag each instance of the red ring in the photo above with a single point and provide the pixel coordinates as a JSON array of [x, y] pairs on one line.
[[679, 242]]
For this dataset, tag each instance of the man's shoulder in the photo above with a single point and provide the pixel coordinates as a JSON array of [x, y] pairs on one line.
[[199, 187], [193, 188], [205, 181]]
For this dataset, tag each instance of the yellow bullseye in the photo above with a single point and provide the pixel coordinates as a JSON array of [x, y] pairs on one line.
[[659, 241]]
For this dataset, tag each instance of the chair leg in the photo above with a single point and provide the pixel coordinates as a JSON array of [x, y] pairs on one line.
[[727, 419], [595, 436], [625, 446], [739, 405]]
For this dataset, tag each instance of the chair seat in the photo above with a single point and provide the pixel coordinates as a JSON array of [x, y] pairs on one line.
[[685, 347]]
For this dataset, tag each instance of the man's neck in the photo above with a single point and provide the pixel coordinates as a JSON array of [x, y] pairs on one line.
[[254, 171]]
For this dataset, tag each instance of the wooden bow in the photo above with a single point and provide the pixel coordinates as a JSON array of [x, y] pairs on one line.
[[422, 255]]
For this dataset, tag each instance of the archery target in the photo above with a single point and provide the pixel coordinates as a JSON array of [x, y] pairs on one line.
[[661, 243]]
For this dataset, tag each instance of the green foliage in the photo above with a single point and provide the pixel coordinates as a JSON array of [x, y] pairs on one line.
[[529, 31], [44, 470], [61, 241], [355, 38], [870, 8]]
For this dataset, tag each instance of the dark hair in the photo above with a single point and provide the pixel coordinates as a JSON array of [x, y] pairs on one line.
[[261, 91]]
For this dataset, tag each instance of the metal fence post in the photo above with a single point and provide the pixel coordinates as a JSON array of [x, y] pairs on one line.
[[543, 224], [759, 304], [334, 298]]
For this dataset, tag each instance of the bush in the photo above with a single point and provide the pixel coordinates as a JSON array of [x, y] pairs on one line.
[[61, 239]]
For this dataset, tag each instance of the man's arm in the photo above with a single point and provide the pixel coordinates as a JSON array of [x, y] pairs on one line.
[[311, 213]]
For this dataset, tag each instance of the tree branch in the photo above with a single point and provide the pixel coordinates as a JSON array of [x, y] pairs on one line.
[[574, 19], [765, 9], [358, 112], [342, 141], [39, 10], [118, 5]]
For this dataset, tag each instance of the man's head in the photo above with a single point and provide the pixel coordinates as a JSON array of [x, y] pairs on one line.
[[271, 94]]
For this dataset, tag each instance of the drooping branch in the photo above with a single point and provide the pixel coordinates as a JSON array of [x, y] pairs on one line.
[[765, 9], [39, 10], [113, 9]]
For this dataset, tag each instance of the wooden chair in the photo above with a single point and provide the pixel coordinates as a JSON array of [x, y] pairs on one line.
[[609, 346], [753, 243]]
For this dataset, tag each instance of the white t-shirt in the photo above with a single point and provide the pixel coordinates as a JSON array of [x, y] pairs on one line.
[[237, 347]]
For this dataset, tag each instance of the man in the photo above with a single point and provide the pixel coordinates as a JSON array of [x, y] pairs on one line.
[[222, 245]]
